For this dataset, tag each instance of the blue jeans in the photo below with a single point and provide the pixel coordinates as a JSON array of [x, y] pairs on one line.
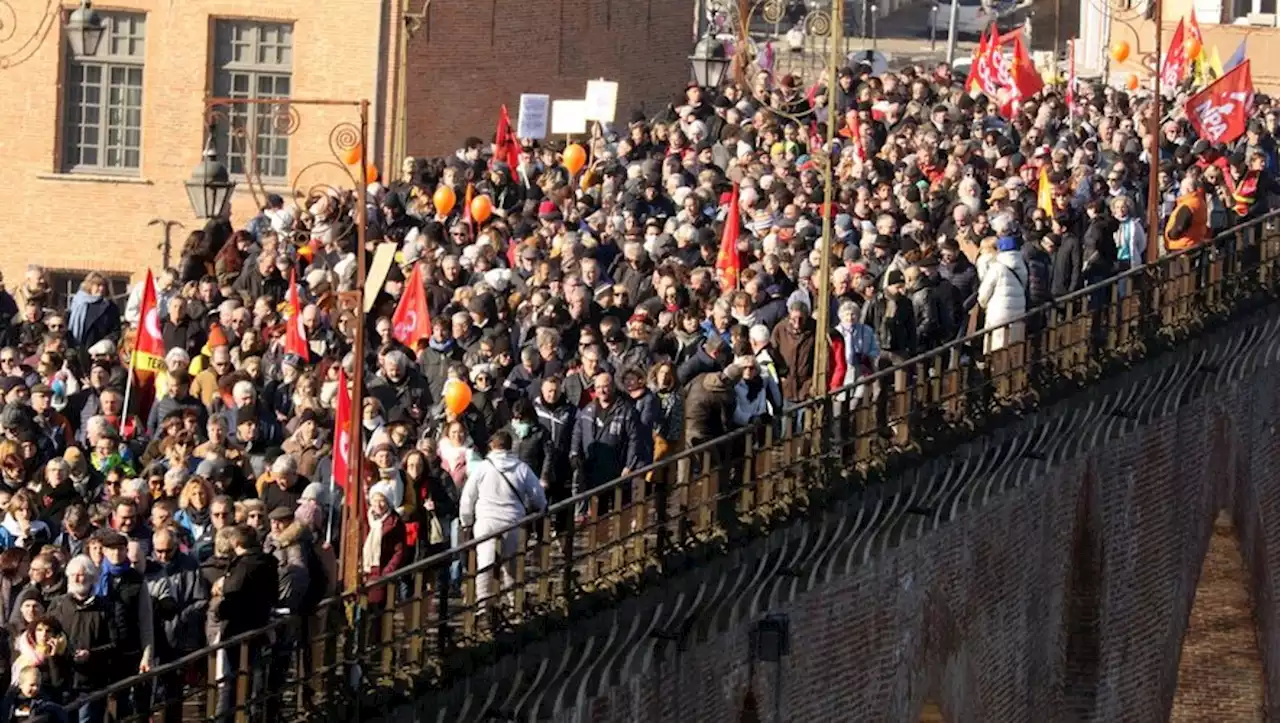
[[93, 712]]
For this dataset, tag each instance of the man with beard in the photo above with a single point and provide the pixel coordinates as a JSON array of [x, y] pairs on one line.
[[86, 620]]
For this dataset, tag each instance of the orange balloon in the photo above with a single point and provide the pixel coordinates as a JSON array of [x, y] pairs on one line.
[[1194, 46], [457, 396], [481, 209], [370, 173], [1132, 81], [574, 158], [444, 200], [351, 156], [1120, 51]]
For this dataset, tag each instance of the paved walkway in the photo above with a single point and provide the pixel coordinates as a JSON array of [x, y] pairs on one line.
[[1220, 675]]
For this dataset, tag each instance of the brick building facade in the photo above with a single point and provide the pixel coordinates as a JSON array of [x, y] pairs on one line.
[[96, 149]]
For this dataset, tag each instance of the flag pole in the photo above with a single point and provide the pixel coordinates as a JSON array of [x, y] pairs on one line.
[[1154, 240], [128, 385]]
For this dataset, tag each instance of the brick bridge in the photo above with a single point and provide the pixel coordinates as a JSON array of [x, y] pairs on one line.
[[1098, 560], [1084, 526]]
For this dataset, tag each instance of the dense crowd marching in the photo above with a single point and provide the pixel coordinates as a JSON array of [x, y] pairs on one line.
[[586, 315]]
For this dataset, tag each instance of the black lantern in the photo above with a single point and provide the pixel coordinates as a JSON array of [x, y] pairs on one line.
[[710, 62], [85, 29], [210, 187]]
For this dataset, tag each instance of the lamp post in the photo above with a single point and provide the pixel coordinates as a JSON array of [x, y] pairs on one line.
[[84, 30], [209, 189], [710, 62]]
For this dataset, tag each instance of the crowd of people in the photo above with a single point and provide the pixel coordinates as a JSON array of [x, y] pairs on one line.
[[145, 521]]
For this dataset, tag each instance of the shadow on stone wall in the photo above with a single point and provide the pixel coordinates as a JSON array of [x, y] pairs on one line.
[[1046, 573]]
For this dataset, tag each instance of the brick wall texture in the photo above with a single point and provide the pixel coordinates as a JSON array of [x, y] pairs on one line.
[[1046, 573], [472, 57]]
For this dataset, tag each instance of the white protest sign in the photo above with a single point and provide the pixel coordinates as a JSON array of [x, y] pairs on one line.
[[568, 117], [533, 116], [602, 100]]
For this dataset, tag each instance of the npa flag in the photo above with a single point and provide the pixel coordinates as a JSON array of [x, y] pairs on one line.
[[148, 348], [342, 433], [728, 265], [412, 322], [506, 147], [1174, 66], [1220, 112], [295, 337]]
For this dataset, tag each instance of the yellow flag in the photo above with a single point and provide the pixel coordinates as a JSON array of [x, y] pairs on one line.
[[1044, 196], [1215, 62]]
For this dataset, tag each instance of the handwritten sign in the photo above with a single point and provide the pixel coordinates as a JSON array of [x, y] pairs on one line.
[[533, 116], [602, 100], [568, 117]]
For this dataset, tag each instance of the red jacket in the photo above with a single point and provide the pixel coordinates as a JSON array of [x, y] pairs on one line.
[[393, 556]]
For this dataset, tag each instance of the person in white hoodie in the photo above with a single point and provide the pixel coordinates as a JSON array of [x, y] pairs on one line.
[[1002, 292], [500, 490]]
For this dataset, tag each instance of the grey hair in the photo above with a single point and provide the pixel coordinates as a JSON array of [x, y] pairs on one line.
[[759, 333], [849, 306], [82, 563], [399, 359], [58, 462], [284, 464], [244, 387]]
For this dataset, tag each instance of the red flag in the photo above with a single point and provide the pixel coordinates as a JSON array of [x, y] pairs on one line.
[[342, 433], [1071, 78], [506, 146], [1220, 112], [295, 337], [412, 321], [1025, 80], [466, 206], [148, 347], [728, 265], [979, 57], [1174, 66]]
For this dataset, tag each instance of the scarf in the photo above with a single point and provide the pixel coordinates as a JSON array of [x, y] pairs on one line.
[[80, 304], [371, 554], [102, 587], [444, 347]]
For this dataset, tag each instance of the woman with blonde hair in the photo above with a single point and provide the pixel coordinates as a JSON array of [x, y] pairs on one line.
[[195, 515], [93, 316]]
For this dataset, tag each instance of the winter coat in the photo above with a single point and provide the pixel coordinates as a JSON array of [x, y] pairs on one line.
[[796, 350], [698, 364], [87, 624], [708, 409], [434, 365], [249, 592], [533, 449], [1003, 294], [962, 275], [394, 555], [1067, 266], [500, 489], [180, 598], [92, 319], [557, 422], [292, 552], [12, 536], [606, 441]]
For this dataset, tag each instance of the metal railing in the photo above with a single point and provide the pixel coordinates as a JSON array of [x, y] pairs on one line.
[[433, 622]]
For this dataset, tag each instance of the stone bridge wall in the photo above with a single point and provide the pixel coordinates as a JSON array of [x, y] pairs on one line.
[[1043, 574]]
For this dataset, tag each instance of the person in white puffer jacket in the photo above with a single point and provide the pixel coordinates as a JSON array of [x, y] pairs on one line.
[[500, 490], [1002, 292]]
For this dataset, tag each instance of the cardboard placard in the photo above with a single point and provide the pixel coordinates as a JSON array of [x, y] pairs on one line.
[[383, 256], [534, 109], [602, 100], [568, 117]]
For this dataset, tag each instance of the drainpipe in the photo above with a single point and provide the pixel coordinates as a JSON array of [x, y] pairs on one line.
[[379, 91]]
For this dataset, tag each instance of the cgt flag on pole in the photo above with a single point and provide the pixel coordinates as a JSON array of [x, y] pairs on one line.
[[342, 433], [411, 321], [728, 265], [1173, 68], [1220, 113], [148, 349], [506, 146], [295, 337]]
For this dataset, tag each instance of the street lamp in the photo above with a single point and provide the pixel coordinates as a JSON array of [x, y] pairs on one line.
[[85, 30], [710, 62], [210, 187]]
